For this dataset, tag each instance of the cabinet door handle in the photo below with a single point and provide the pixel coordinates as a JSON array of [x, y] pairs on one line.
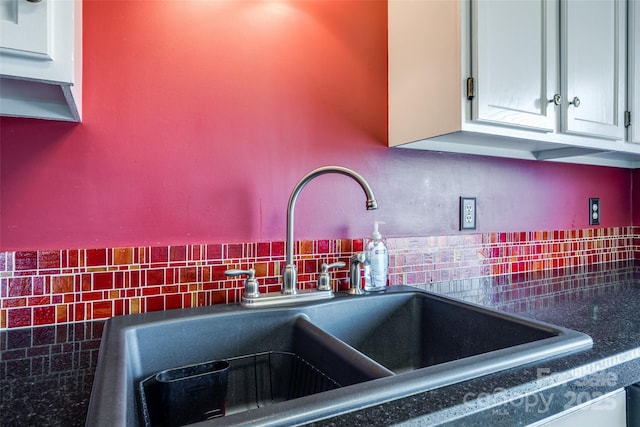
[[557, 99], [34, 1], [575, 102]]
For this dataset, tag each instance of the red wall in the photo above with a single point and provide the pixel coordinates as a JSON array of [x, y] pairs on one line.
[[200, 117]]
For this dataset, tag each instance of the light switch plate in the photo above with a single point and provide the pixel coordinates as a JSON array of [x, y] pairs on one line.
[[467, 213]]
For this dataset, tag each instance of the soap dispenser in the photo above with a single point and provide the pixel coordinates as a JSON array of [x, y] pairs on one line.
[[376, 261]]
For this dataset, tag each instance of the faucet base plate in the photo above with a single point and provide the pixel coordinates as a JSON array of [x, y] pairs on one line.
[[273, 299]]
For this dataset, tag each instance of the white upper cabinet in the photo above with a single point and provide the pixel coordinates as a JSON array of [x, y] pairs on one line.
[[634, 70], [41, 59], [528, 79], [515, 63], [24, 28], [518, 80], [594, 67]]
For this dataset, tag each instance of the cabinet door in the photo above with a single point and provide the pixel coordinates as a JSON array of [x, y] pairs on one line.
[[634, 70], [593, 67], [515, 66], [607, 410], [24, 28]]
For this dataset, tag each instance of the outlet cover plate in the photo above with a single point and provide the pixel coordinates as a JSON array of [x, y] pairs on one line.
[[467, 213], [594, 211]]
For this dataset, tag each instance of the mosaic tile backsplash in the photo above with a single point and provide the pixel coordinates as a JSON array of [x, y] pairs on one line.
[[503, 270]]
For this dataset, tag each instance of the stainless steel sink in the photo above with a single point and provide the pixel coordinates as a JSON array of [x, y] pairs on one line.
[[372, 348]]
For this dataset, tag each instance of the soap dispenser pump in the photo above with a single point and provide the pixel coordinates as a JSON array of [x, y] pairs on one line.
[[376, 262]]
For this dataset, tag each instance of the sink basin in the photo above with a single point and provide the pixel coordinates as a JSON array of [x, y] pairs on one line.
[[410, 331], [367, 349], [192, 339]]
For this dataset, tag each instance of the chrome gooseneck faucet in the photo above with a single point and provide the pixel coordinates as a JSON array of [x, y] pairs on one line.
[[290, 273]]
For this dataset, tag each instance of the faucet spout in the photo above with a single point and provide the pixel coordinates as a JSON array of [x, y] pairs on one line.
[[290, 273]]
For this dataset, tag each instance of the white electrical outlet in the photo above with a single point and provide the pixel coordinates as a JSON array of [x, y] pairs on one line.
[[467, 213]]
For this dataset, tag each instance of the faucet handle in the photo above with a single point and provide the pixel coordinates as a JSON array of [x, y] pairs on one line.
[[324, 280], [250, 285]]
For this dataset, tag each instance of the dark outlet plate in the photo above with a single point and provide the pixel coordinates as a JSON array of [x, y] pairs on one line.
[[594, 211]]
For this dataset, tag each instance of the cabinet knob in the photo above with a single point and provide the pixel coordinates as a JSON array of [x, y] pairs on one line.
[[575, 102], [557, 99]]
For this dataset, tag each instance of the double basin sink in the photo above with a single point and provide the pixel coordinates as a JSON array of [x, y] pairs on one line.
[[297, 364]]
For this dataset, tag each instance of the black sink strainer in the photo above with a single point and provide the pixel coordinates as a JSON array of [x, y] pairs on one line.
[[195, 393]]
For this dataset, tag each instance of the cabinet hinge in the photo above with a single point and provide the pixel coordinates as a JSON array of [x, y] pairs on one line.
[[470, 88], [627, 119]]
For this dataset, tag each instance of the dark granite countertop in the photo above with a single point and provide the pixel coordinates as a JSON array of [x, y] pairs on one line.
[[46, 373], [523, 395]]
